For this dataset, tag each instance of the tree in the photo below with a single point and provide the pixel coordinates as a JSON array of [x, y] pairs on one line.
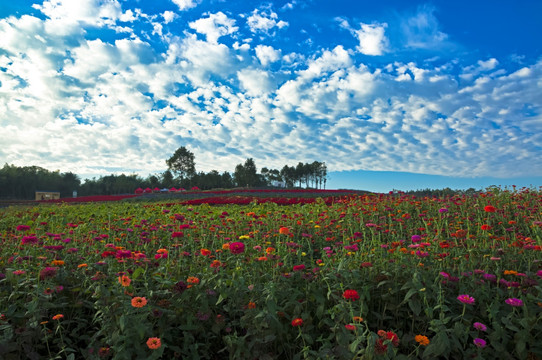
[[288, 174], [182, 163], [247, 174]]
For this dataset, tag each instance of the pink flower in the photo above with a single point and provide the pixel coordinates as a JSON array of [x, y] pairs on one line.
[[514, 302], [480, 326], [466, 299]]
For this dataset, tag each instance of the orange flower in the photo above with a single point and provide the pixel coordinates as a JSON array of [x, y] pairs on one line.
[[154, 343], [357, 318], [422, 340], [139, 301], [270, 250], [161, 251], [205, 252], [225, 246], [297, 322], [192, 280], [57, 262], [510, 272], [58, 317], [124, 280], [251, 305], [82, 265], [216, 264], [284, 231]]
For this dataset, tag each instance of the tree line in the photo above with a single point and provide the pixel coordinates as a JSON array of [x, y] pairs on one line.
[[22, 182]]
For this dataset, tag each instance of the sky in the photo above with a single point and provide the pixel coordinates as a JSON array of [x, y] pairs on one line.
[[389, 94]]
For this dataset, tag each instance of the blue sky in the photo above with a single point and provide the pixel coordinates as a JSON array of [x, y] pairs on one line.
[[390, 94]]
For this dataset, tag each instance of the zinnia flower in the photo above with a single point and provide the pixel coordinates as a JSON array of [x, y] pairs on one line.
[[466, 299], [299, 267], [139, 301], [154, 343], [237, 247], [124, 280], [350, 295], [47, 272], [297, 322], [284, 231], [481, 343], [192, 280], [514, 302], [422, 340], [480, 326], [58, 317], [350, 327], [490, 209]]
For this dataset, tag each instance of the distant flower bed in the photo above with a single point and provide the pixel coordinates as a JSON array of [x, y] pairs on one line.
[[96, 198], [341, 277]]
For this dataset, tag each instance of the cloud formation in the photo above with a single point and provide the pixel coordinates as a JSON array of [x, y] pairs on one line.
[[95, 105]]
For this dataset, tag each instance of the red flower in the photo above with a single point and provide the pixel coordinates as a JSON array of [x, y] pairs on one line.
[[299, 267], [486, 227], [351, 295], [380, 347], [297, 322], [489, 209], [390, 335]]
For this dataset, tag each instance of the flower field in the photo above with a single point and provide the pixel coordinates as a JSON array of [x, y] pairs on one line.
[[338, 277]]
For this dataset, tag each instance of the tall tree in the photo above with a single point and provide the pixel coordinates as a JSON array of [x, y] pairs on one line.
[[247, 174], [182, 163]]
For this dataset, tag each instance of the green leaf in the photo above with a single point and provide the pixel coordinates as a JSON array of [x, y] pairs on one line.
[[138, 272]]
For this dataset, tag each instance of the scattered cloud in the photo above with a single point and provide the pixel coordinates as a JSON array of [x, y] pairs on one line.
[[422, 30], [90, 105], [267, 54], [372, 40], [186, 4], [264, 21], [214, 26]]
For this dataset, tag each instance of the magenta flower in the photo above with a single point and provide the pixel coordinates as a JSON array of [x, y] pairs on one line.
[[481, 343], [48, 272], [514, 302], [466, 299], [480, 326], [237, 247]]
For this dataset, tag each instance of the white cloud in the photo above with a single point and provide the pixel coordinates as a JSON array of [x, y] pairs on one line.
[[215, 26], [169, 16], [186, 4], [255, 82], [372, 40], [262, 21], [422, 30], [267, 54]]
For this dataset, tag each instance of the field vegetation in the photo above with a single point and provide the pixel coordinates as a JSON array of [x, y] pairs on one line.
[[327, 276]]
